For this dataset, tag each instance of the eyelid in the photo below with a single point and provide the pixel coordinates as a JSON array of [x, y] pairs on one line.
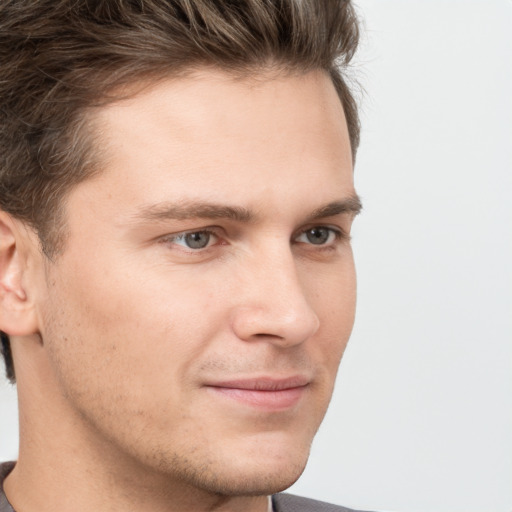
[[171, 238], [340, 233]]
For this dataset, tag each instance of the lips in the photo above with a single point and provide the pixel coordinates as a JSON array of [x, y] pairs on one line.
[[263, 393]]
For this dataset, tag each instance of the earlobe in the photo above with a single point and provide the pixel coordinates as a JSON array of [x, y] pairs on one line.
[[17, 315]]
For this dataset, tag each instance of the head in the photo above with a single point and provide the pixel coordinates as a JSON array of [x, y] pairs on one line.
[[81, 92]]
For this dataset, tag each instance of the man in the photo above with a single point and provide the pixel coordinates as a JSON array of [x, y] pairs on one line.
[[177, 285]]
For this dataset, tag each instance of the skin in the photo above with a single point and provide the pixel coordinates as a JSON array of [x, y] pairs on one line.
[[130, 346]]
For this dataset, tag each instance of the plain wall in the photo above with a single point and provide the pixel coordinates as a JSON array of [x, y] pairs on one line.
[[421, 420]]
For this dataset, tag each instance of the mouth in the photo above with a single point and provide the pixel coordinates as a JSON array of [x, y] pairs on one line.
[[264, 393]]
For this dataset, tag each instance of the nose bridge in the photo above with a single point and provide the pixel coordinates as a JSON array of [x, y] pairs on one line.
[[273, 301]]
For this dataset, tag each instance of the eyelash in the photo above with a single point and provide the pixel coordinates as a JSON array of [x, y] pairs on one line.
[[206, 231], [339, 235]]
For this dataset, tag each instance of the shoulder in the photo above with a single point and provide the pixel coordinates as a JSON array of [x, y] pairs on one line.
[[5, 469], [291, 503]]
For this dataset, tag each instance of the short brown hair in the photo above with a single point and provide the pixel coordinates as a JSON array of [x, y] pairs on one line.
[[60, 57]]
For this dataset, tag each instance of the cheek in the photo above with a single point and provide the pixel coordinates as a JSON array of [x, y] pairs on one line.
[[150, 322], [104, 325], [332, 295], [124, 349]]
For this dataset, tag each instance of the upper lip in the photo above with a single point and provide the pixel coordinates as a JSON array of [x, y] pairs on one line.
[[264, 383]]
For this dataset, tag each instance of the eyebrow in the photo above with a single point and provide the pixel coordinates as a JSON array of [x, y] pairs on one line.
[[352, 205], [185, 210]]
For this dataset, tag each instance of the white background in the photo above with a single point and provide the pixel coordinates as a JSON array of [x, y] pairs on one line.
[[421, 420]]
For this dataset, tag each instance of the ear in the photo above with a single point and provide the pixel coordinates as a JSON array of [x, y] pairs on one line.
[[17, 313]]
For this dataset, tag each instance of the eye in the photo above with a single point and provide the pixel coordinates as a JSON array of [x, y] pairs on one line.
[[194, 239], [319, 235]]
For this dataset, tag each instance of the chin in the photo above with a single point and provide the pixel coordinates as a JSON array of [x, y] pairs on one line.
[[239, 472], [267, 472], [260, 481]]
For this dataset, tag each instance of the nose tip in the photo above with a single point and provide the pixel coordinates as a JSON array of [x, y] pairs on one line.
[[280, 314]]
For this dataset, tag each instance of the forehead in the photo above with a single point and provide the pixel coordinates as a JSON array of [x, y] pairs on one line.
[[213, 134]]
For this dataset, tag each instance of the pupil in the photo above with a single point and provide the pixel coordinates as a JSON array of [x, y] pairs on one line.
[[197, 240], [318, 235]]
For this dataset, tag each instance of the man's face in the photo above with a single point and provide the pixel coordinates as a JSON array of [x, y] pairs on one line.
[[197, 316]]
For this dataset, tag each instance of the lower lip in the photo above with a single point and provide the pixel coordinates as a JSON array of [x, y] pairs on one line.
[[268, 400]]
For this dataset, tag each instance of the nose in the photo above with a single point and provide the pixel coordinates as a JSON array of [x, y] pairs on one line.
[[272, 304]]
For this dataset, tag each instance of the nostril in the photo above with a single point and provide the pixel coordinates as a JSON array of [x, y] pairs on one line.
[[266, 335]]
